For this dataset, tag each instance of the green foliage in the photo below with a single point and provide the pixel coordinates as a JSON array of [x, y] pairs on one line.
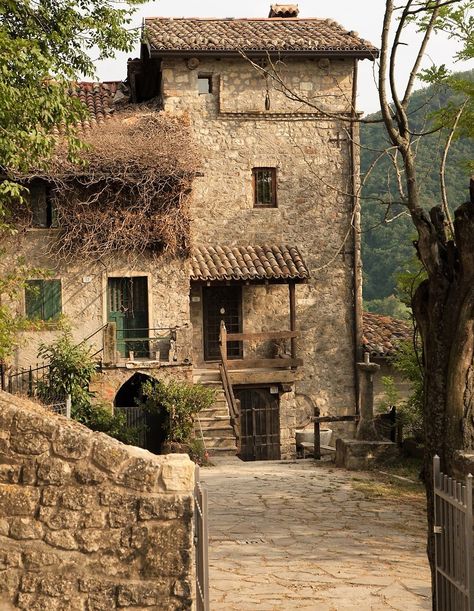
[[12, 285], [408, 363], [71, 367], [391, 305], [388, 231], [391, 396], [43, 47], [180, 402]]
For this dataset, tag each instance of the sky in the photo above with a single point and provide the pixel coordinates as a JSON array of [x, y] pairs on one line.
[[362, 16]]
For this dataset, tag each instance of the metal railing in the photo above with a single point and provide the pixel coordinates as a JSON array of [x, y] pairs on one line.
[[453, 542], [201, 543], [146, 342], [232, 405], [33, 382]]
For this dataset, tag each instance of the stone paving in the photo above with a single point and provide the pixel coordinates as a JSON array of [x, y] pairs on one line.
[[295, 535]]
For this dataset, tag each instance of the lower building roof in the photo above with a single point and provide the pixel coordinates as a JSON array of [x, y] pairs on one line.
[[211, 263]]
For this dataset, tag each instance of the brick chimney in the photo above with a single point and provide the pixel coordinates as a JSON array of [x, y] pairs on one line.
[[284, 11]]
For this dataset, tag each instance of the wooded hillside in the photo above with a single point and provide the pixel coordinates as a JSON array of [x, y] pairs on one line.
[[387, 246]]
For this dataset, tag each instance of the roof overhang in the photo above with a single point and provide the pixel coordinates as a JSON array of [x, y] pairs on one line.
[[259, 54], [248, 265]]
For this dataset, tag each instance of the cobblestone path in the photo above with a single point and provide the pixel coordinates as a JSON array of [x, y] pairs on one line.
[[299, 536]]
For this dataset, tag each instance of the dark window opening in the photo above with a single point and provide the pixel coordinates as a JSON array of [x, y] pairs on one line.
[[43, 299], [264, 183], [204, 84], [43, 212]]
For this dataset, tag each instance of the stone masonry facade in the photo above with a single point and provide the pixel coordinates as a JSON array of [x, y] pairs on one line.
[[246, 121], [88, 523]]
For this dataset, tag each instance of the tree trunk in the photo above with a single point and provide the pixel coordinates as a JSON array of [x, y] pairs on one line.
[[443, 306]]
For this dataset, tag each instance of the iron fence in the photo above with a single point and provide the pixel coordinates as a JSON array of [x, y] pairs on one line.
[[201, 543], [453, 542], [34, 382]]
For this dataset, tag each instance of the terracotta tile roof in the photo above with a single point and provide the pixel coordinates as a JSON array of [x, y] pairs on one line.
[[313, 36], [100, 100], [247, 263], [382, 334]]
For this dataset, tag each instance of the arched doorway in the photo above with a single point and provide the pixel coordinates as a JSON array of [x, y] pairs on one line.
[[151, 426]]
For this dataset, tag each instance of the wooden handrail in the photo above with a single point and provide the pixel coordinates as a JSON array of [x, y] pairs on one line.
[[264, 335]]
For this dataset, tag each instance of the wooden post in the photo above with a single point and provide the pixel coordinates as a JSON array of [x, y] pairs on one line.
[[223, 341], [109, 344], [317, 435], [291, 288]]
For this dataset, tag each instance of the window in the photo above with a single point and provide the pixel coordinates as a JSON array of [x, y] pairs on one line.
[[43, 299], [204, 84], [264, 186], [42, 210]]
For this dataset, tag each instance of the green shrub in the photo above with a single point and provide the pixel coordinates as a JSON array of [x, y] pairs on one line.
[[180, 402], [407, 362], [71, 367]]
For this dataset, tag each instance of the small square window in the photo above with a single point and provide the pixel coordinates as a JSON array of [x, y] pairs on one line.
[[264, 186], [43, 299], [43, 213], [204, 84]]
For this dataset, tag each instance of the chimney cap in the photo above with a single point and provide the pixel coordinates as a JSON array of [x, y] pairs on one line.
[[284, 10]]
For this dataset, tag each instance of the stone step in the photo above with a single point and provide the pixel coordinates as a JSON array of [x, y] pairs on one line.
[[220, 443]]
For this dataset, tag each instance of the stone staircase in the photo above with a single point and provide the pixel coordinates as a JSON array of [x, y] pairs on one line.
[[217, 431]]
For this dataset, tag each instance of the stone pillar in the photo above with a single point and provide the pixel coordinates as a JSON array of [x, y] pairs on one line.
[[366, 430], [110, 343]]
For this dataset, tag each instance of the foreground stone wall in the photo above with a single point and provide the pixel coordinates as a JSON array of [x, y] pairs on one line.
[[87, 523]]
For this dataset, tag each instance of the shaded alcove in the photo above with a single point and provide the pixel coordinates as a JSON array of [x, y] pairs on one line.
[[153, 426]]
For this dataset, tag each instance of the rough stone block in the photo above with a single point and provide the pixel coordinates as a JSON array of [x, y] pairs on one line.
[[72, 444], [166, 507], [108, 453], [177, 473], [18, 501], [58, 518], [357, 455], [28, 472], [53, 471], [26, 528], [36, 561], [140, 474], [88, 475], [9, 474], [29, 442], [62, 539], [142, 595]]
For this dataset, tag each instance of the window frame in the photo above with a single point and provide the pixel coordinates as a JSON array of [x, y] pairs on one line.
[[40, 297], [208, 78], [40, 190], [274, 199]]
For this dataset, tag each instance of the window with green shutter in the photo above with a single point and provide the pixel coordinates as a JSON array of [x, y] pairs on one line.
[[43, 299]]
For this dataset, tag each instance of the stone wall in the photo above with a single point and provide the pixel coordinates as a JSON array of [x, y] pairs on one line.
[[314, 209], [84, 290], [87, 523]]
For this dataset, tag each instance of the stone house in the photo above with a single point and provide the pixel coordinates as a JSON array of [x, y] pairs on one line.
[[381, 338], [265, 304]]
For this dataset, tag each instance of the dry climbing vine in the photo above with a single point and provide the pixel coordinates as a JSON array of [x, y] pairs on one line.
[[131, 192]]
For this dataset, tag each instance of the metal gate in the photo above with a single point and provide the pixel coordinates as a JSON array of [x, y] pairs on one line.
[[453, 542], [201, 544]]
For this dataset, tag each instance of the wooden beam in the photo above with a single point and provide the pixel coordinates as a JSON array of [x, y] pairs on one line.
[[336, 418], [291, 290], [277, 376], [223, 341], [263, 336], [263, 363]]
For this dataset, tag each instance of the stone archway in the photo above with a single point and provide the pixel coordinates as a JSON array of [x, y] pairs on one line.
[[152, 427]]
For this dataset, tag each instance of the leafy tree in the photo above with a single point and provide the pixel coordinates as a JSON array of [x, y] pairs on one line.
[[44, 45], [443, 303]]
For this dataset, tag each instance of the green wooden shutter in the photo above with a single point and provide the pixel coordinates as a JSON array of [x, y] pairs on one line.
[[34, 299], [43, 299], [51, 299]]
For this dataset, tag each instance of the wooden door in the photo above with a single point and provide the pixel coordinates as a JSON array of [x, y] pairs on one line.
[[259, 424], [221, 303], [128, 309]]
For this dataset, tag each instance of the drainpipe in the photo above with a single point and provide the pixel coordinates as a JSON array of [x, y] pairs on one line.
[[357, 262]]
